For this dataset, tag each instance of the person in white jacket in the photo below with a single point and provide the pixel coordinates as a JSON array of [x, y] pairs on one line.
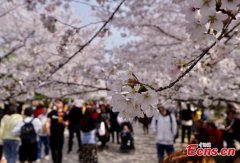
[[164, 126], [28, 151], [10, 143]]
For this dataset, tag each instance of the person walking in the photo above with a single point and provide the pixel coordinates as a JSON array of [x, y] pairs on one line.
[[57, 120], [88, 123], [145, 121], [10, 143], [28, 131], [43, 135], [74, 117], [164, 126], [186, 122], [114, 126], [103, 132]]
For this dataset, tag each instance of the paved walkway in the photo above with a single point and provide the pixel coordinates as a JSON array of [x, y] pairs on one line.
[[145, 151]]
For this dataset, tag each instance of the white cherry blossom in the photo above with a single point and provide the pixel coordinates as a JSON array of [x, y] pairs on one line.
[[120, 103], [196, 30], [147, 99], [215, 19], [206, 5]]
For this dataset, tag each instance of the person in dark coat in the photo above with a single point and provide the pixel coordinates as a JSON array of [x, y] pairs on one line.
[[114, 126], [186, 122], [74, 117], [145, 121], [232, 130]]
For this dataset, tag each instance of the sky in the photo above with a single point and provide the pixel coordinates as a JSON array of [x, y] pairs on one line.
[[84, 12]]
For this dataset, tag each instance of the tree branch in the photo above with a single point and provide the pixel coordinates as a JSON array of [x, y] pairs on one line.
[[88, 42]]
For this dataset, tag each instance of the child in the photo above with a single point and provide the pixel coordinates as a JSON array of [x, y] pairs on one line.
[[126, 138]]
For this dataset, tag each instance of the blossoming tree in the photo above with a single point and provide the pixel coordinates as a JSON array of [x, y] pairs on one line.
[[182, 50], [39, 51]]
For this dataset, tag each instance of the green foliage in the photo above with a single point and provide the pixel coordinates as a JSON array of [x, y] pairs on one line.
[[39, 96]]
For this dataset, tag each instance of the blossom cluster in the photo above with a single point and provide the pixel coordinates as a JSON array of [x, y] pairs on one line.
[[207, 18], [132, 98]]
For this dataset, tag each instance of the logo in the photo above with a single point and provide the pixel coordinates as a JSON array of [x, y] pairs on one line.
[[204, 149]]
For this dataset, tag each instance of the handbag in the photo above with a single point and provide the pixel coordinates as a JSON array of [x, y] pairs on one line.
[[102, 129]]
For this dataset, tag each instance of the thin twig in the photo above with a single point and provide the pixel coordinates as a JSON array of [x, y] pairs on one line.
[[78, 28]]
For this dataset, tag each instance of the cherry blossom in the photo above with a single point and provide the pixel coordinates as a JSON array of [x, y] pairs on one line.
[[146, 99], [197, 29], [215, 19], [205, 5]]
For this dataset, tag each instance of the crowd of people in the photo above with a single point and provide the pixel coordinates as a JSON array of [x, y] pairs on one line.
[[198, 127], [24, 132]]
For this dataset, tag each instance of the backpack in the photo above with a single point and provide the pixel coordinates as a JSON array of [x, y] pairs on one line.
[[28, 134]]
